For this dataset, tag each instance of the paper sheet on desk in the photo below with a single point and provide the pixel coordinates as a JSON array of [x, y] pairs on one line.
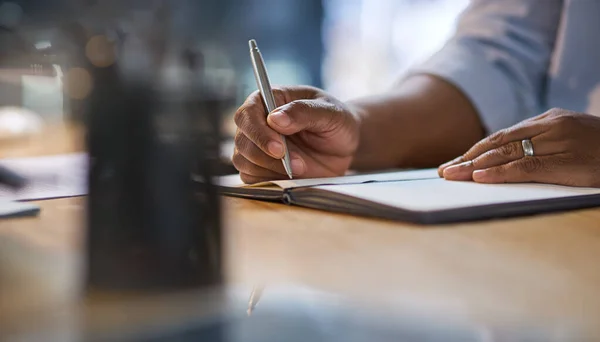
[[55, 176]]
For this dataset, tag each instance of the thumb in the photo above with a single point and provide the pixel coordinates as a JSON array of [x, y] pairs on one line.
[[315, 116]]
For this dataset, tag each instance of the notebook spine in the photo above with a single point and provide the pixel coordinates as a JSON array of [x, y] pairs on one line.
[[287, 197]]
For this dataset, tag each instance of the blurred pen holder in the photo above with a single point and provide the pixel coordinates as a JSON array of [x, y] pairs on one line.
[[153, 215]]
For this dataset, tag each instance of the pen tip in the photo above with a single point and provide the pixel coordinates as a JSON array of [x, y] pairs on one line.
[[288, 168], [252, 44]]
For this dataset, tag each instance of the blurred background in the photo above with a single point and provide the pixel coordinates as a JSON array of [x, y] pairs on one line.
[[55, 53], [350, 48]]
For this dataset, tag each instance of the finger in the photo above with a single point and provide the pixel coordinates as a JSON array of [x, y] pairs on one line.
[[250, 151], [455, 161], [461, 168], [561, 169], [498, 156], [529, 169], [245, 166], [258, 157], [284, 95], [250, 119], [524, 130], [255, 155], [315, 116], [249, 179]]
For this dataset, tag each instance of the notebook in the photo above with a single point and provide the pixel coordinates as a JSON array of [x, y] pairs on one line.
[[418, 196]]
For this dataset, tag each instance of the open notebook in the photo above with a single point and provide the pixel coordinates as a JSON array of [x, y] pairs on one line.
[[416, 196]]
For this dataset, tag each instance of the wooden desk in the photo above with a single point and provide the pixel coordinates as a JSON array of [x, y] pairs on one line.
[[535, 269]]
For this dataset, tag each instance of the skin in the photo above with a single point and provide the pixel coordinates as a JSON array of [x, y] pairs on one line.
[[566, 152], [327, 137], [422, 123]]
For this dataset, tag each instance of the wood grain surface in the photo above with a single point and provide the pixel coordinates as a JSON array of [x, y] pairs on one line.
[[540, 269]]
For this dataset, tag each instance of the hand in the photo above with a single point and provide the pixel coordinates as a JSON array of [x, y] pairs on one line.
[[321, 135], [566, 152]]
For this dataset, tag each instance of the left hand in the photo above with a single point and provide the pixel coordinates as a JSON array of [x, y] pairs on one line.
[[566, 149]]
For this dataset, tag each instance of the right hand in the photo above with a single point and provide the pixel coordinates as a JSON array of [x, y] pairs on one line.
[[321, 133]]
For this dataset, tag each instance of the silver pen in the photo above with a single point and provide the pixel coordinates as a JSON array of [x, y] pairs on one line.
[[264, 86]]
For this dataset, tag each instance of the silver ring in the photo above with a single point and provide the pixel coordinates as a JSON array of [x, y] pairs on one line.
[[527, 147]]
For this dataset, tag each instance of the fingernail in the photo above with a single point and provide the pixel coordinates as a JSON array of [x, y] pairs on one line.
[[280, 119], [298, 167], [480, 175], [452, 162], [275, 148], [442, 168], [461, 171], [451, 170]]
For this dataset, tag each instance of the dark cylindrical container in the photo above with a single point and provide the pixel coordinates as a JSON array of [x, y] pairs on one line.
[[153, 220]]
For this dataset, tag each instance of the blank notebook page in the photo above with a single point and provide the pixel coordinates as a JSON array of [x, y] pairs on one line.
[[236, 181], [440, 194]]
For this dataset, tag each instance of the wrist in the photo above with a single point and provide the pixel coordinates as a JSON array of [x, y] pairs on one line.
[[359, 114]]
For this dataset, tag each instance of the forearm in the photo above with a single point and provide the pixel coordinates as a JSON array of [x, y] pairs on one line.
[[423, 123]]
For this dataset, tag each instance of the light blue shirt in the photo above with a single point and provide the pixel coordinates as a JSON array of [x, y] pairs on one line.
[[515, 59]]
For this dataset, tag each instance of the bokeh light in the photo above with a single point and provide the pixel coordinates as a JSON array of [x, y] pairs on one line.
[[17, 122], [100, 51], [78, 83]]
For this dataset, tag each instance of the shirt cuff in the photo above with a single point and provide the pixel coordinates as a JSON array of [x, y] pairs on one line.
[[481, 82]]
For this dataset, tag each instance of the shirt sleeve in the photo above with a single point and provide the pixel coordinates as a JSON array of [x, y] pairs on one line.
[[499, 57]]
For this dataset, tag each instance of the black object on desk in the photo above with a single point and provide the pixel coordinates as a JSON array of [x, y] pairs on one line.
[[11, 178], [150, 227]]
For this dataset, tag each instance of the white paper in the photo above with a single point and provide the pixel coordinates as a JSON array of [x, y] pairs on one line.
[[63, 175], [235, 180], [440, 194], [376, 177]]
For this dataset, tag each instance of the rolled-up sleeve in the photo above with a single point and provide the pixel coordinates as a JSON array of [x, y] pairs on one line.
[[499, 57]]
